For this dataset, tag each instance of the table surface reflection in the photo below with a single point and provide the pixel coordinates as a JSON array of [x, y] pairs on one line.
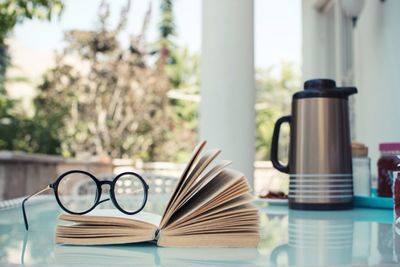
[[340, 238]]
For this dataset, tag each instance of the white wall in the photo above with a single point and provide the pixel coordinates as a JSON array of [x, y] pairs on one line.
[[377, 75]]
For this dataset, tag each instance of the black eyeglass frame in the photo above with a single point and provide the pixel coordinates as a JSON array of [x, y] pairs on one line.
[[99, 184]]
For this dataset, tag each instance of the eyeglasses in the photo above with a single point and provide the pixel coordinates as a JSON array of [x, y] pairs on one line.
[[79, 192]]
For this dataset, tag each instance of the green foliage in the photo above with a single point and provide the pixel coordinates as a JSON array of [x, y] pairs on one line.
[[112, 100], [115, 100], [18, 132], [16, 11], [165, 45], [184, 79], [274, 95], [167, 24], [182, 69], [7, 120], [4, 62]]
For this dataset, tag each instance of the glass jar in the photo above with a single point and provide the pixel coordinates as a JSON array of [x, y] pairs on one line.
[[388, 163], [361, 170], [396, 226], [396, 198]]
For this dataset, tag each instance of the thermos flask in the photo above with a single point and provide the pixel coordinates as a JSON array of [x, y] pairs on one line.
[[320, 161]]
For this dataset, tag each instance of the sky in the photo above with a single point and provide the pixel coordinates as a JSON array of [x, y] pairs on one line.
[[277, 26]]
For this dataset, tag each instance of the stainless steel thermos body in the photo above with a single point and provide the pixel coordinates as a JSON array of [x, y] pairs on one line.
[[320, 162]]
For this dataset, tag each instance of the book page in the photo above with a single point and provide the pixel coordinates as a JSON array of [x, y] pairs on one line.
[[108, 216], [103, 240], [198, 168], [202, 181], [211, 240], [212, 189], [229, 206], [107, 226], [227, 217], [195, 155]]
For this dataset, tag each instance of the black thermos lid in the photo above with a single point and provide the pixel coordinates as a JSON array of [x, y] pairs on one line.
[[324, 88]]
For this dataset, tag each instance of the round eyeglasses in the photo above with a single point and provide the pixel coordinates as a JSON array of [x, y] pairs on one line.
[[79, 192]]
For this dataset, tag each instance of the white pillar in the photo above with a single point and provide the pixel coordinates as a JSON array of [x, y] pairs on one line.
[[227, 115], [318, 41]]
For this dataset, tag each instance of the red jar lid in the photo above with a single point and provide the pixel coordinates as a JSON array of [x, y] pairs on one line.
[[389, 146]]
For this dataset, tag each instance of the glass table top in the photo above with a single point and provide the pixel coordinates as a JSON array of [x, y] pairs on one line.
[[302, 238]]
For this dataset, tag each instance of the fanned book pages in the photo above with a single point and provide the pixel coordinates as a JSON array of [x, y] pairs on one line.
[[209, 207]]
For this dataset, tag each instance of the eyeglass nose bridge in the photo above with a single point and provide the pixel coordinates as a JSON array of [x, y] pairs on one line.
[[105, 182], [100, 189]]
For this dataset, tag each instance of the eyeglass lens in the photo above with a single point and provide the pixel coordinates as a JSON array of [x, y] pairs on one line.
[[129, 192], [77, 192]]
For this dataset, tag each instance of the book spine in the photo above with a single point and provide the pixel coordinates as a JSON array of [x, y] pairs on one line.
[[157, 235]]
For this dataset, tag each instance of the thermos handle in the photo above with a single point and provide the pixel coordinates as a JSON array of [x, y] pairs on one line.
[[274, 144]]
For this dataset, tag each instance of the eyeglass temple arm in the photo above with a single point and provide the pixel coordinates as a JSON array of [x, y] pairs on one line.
[[23, 204]]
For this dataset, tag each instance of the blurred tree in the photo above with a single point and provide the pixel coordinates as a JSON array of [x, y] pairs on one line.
[[184, 97], [16, 11], [165, 45], [16, 131], [115, 101], [7, 120], [274, 96], [102, 98], [182, 69]]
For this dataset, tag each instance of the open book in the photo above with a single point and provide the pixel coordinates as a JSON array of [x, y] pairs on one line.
[[209, 207]]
